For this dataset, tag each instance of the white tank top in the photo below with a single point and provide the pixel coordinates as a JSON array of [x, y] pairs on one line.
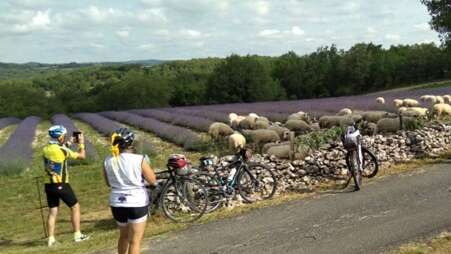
[[124, 175]]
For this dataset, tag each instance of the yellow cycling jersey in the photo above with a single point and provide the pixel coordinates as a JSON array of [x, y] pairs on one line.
[[55, 162]]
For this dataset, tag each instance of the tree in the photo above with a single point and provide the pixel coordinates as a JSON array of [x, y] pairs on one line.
[[242, 79], [440, 11]]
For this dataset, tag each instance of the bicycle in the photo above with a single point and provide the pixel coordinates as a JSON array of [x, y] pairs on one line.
[[359, 160], [182, 198], [253, 181]]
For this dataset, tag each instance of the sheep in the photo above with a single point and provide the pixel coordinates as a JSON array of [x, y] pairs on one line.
[[248, 123], [261, 124], [388, 125], [431, 99], [385, 125], [370, 129], [217, 130], [402, 110], [315, 127], [298, 126], [447, 98], [345, 111], [373, 116], [410, 102], [281, 131], [236, 140], [298, 116], [232, 117], [380, 100], [397, 102], [439, 99], [262, 118], [280, 151], [441, 109], [253, 115], [331, 121], [262, 136], [414, 112]]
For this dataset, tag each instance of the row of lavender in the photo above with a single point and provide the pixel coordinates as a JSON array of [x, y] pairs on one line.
[[278, 110], [4, 122], [62, 119], [106, 126], [17, 153], [178, 135]]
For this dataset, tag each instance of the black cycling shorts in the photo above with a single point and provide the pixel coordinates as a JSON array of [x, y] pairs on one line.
[[57, 191], [125, 215]]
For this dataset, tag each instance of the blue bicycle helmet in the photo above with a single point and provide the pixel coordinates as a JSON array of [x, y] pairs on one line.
[[57, 131]]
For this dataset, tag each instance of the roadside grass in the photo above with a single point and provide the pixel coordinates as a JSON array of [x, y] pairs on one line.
[[21, 229], [441, 244]]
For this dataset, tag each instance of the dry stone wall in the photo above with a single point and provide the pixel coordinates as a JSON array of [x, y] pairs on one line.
[[328, 162]]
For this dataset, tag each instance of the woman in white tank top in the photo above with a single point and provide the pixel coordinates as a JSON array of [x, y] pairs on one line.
[[126, 173]]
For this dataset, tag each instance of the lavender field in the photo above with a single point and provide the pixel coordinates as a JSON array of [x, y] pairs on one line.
[[178, 135], [4, 122], [17, 153]]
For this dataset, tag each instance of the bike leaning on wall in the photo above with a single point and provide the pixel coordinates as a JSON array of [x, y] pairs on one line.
[[359, 160]]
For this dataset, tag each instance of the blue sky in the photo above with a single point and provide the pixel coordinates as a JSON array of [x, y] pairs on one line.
[[93, 31]]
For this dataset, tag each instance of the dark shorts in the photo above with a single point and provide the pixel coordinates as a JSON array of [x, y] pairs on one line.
[[125, 215], [62, 191]]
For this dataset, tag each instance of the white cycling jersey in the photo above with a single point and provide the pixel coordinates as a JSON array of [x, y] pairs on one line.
[[124, 175]]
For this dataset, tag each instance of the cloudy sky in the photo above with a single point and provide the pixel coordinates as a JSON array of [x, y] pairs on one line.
[[116, 30]]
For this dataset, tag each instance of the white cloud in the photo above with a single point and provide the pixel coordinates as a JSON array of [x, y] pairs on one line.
[[422, 26], [191, 33], [39, 21], [393, 37], [269, 33], [262, 7], [371, 30], [123, 34], [152, 15], [102, 15], [295, 30], [97, 45], [146, 47]]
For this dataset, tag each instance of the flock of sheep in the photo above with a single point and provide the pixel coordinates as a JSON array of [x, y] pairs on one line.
[[272, 137]]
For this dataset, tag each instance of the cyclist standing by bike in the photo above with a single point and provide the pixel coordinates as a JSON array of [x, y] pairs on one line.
[[126, 172], [56, 154]]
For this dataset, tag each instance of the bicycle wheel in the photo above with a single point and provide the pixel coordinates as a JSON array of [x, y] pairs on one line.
[[256, 182], [370, 165], [184, 200], [214, 189]]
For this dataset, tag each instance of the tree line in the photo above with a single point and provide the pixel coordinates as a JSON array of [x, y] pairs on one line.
[[328, 71]]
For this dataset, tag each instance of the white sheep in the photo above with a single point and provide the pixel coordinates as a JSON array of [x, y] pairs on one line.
[[380, 100], [344, 112], [253, 115], [441, 109], [218, 130], [415, 111], [402, 109], [300, 115], [410, 102], [429, 99], [232, 117], [447, 98], [439, 99], [236, 140], [397, 102]]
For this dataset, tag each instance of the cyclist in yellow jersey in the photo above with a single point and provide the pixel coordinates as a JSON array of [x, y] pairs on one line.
[[56, 154]]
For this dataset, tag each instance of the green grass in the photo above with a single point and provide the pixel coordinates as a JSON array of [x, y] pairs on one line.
[[441, 244], [6, 132]]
